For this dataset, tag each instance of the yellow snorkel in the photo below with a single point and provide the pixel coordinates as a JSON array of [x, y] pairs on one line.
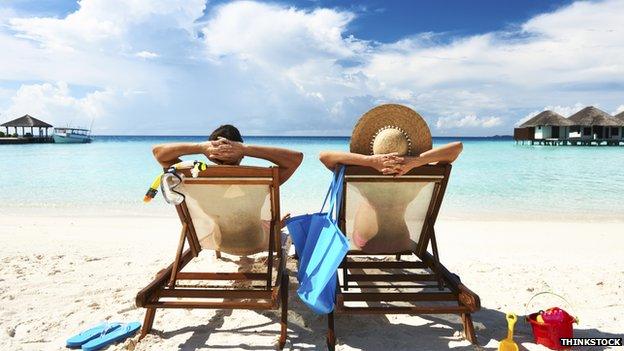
[[153, 189], [196, 167]]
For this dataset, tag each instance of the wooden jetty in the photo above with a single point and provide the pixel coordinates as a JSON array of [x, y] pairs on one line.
[[25, 140]]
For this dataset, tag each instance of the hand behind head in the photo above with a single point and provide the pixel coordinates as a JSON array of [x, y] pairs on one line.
[[226, 152], [387, 164]]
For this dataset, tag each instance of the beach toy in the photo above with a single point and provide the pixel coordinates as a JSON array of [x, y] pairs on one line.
[[508, 344], [85, 336], [539, 319], [118, 334], [550, 325]]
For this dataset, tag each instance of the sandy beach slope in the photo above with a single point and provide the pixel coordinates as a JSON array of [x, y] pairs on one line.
[[60, 275]]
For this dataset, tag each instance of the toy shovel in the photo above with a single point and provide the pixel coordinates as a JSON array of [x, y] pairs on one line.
[[508, 344]]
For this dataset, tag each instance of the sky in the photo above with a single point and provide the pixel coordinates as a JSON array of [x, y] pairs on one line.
[[303, 67]]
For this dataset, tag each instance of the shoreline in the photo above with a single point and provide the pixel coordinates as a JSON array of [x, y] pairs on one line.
[[167, 211]]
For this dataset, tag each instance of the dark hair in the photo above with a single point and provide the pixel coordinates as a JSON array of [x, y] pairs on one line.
[[227, 131]]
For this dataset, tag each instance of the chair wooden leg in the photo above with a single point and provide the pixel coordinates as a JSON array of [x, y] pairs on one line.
[[331, 335], [147, 322], [176, 263], [469, 328], [218, 254], [284, 302]]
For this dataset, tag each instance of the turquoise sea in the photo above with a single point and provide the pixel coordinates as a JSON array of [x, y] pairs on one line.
[[493, 178]]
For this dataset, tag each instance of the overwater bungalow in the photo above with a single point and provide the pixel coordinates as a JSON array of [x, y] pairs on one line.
[[24, 131], [545, 126], [620, 118], [589, 126], [593, 124]]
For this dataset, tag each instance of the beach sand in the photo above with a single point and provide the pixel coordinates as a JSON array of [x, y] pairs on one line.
[[60, 275]]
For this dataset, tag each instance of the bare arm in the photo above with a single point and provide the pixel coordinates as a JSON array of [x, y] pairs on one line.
[[441, 155], [169, 154], [333, 158], [287, 160], [391, 163], [382, 163]]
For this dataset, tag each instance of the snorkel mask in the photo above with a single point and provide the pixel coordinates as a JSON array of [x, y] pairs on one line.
[[170, 179], [168, 182]]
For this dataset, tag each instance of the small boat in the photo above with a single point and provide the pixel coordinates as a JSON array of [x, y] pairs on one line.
[[71, 135]]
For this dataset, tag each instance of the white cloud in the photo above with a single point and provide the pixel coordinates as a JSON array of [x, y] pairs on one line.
[[468, 121], [146, 54], [526, 118], [565, 111], [99, 22], [93, 46], [618, 110], [55, 104], [555, 59], [272, 68], [277, 36]]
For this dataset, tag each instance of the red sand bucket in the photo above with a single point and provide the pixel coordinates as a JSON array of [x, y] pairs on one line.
[[557, 324]]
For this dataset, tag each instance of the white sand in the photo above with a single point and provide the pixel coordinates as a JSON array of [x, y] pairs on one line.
[[60, 275]]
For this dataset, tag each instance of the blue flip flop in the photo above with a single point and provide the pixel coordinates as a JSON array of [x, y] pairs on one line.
[[124, 331], [79, 339]]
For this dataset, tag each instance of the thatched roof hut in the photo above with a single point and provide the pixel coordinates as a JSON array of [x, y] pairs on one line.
[[592, 116], [620, 117], [547, 118], [27, 121]]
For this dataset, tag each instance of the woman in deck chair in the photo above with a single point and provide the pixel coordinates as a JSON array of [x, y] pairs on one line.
[[393, 139], [238, 231]]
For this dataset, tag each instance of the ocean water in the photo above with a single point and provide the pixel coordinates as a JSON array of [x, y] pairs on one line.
[[493, 178]]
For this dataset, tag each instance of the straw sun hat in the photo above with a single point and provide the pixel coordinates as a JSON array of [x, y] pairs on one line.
[[391, 128]]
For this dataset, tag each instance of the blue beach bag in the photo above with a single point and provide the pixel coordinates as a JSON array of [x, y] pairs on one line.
[[321, 247]]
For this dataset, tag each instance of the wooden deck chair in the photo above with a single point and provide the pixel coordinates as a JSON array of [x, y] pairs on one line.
[[391, 220], [236, 210]]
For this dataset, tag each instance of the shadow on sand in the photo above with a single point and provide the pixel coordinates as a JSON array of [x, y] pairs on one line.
[[306, 331]]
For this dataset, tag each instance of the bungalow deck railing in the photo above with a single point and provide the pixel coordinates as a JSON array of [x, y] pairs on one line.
[[574, 141]]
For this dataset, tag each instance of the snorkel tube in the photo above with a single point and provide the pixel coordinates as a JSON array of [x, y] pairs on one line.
[[196, 167], [153, 189]]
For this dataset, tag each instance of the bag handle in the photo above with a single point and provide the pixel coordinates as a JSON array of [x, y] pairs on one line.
[[331, 186], [336, 193], [338, 196], [572, 309]]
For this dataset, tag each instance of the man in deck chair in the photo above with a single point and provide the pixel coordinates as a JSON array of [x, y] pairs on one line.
[[227, 208], [225, 147]]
